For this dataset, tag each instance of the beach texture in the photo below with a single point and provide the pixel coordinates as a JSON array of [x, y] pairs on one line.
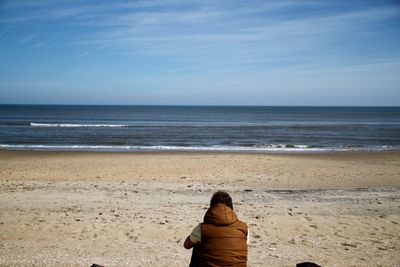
[[136, 209]]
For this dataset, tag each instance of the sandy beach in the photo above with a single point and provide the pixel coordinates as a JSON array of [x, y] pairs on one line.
[[135, 209]]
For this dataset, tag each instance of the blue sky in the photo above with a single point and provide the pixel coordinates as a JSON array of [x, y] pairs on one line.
[[200, 52]]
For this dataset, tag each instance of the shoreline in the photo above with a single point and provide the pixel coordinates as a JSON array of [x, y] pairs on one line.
[[245, 150], [261, 149], [223, 152]]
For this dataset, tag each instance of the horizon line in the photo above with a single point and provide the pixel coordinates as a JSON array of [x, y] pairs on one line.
[[203, 105]]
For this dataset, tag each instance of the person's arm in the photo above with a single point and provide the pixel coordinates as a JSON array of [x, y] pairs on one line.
[[188, 244], [193, 238]]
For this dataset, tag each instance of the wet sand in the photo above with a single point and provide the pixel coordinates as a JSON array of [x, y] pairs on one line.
[[135, 209]]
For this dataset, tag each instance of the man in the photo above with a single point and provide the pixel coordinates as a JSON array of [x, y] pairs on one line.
[[221, 240]]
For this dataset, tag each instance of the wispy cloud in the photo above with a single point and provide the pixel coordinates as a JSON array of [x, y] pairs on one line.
[[93, 50], [5, 30], [200, 38], [45, 42], [156, 26], [27, 38], [211, 36]]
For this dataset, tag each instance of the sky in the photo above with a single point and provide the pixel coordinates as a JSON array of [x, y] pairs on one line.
[[177, 52]]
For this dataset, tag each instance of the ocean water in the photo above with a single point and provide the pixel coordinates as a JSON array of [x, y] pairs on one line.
[[195, 128]]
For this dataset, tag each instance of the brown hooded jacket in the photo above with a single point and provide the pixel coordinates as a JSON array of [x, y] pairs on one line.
[[223, 238]]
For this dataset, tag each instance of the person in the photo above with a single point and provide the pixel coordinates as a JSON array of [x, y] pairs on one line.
[[221, 240]]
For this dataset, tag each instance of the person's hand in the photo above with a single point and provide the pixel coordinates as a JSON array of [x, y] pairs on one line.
[[188, 244]]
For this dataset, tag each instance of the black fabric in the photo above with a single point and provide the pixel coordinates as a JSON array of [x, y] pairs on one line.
[[307, 264], [195, 260]]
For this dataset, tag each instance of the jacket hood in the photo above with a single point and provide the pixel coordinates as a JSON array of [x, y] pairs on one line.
[[220, 214]]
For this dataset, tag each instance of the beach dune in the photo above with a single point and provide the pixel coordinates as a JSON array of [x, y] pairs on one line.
[[135, 209]]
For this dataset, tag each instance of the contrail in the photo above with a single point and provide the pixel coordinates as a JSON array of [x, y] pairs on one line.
[[5, 30], [27, 38], [43, 43], [93, 50]]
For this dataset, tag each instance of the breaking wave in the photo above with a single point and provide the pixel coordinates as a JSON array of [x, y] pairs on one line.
[[75, 125]]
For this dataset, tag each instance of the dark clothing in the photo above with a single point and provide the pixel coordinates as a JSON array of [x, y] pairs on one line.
[[196, 254], [307, 264]]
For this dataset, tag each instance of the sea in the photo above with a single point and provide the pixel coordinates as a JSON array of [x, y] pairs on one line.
[[199, 128]]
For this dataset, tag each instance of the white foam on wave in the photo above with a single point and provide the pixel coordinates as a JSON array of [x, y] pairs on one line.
[[299, 148], [210, 125], [74, 125], [276, 146]]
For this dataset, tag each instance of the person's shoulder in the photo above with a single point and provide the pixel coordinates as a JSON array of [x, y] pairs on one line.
[[242, 225], [242, 222]]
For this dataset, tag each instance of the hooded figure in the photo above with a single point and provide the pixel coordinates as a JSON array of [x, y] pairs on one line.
[[221, 240]]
